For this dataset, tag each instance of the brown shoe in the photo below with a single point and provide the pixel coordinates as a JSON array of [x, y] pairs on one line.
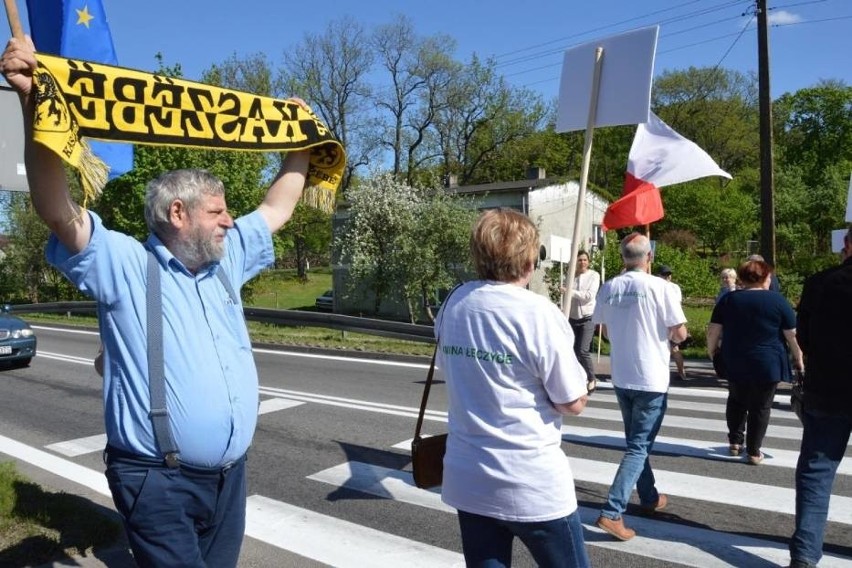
[[661, 503], [616, 528]]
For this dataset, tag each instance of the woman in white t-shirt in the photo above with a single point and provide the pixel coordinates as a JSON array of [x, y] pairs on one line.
[[511, 374]]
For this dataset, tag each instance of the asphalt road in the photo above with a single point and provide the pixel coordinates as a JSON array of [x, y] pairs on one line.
[[329, 472]]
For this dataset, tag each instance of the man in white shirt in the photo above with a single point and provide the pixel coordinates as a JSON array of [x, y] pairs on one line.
[[640, 315], [586, 285]]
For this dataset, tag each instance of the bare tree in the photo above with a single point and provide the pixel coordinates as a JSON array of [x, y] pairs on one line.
[[482, 114], [420, 71], [329, 71]]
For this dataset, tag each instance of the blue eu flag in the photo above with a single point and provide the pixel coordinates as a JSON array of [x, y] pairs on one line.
[[79, 29]]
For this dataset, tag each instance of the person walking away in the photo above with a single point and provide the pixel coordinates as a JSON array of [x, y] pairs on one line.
[[177, 475], [641, 314], [511, 375], [665, 273], [752, 323], [582, 306], [823, 332]]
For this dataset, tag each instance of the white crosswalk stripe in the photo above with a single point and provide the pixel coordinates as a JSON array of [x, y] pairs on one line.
[[694, 429]]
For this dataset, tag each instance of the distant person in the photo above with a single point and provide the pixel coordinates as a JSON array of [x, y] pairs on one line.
[[774, 285], [585, 289], [824, 333], [641, 315], [183, 504], [752, 324], [665, 273], [504, 470], [728, 282]]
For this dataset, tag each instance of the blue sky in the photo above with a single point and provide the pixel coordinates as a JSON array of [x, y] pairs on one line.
[[810, 39]]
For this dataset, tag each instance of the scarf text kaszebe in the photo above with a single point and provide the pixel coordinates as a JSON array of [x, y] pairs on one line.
[[79, 99]]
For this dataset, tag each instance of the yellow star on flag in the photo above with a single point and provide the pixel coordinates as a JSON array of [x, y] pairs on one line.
[[84, 17]]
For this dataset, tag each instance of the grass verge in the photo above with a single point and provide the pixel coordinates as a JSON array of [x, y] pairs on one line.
[[38, 526]]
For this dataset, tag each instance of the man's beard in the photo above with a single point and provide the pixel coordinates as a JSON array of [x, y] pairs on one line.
[[199, 248]]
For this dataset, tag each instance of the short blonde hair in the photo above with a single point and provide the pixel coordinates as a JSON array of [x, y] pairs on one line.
[[728, 272], [503, 244]]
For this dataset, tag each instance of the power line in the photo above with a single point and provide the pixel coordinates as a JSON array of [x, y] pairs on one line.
[[594, 30], [673, 19]]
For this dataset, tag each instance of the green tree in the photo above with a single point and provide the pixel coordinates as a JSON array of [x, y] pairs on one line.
[[813, 128], [715, 108], [440, 254], [378, 235], [722, 217]]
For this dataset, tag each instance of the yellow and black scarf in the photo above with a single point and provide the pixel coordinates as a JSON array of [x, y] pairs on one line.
[[77, 99]]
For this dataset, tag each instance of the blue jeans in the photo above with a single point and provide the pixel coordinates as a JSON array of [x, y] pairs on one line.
[[487, 542], [823, 445], [185, 516], [642, 413]]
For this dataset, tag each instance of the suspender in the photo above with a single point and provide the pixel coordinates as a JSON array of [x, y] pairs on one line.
[[156, 372]]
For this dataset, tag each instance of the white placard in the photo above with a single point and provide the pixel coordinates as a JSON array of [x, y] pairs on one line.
[[849, 202], [837, 240], [560, 249], [626, 76]]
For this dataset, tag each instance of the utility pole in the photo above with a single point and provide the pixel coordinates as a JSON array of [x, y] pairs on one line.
[[767, 182]]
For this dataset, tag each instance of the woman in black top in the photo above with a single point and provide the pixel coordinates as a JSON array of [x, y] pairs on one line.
[[756, 323]]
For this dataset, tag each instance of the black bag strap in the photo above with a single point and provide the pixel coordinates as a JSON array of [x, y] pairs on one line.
[[429, 378], [425, 399], [156, 372]]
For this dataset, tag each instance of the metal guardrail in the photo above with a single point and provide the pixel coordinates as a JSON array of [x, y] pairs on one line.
[[290, 318]]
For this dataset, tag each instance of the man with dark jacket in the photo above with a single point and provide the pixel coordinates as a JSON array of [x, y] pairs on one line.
[[824, 334]]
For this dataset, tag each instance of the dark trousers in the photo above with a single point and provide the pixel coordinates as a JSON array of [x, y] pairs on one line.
[[748, 409], [184, 516], [487, 542], [584, 331]]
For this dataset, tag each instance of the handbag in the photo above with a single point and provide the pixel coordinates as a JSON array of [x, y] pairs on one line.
[[719, 364], [797, 395], [427, 454]]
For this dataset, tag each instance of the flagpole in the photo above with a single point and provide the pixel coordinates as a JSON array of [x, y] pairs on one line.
[[14, 19], [584, 177], [603, 278]]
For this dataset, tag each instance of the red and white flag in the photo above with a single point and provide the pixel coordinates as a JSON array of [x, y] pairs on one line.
[[658, 157]]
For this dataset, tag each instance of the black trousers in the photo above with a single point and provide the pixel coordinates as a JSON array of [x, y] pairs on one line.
[[748, 409]]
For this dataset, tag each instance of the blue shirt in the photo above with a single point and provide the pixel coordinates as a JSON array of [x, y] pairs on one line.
[[211, 379]]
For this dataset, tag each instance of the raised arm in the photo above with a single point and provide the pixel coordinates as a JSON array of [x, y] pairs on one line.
[[286, 189], [48, 185]]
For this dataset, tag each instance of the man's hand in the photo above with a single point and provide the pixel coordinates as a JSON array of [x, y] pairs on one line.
[[17, 65]]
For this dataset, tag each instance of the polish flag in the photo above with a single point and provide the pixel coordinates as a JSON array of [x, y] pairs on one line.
[[658, 157]]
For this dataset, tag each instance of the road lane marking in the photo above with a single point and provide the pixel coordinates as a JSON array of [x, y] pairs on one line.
[[337, 542], [80, 446], [685, 422], [274, 404], [686, 447], [671, 542], [84, 476]]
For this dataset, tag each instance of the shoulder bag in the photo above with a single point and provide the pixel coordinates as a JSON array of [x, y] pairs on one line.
[[797, 394], [427, 454]]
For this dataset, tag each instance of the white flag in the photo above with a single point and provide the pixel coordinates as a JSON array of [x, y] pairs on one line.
[[661, 156]]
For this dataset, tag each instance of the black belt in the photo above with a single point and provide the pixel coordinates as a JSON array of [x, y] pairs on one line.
[[580, 320], [113, 453]]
